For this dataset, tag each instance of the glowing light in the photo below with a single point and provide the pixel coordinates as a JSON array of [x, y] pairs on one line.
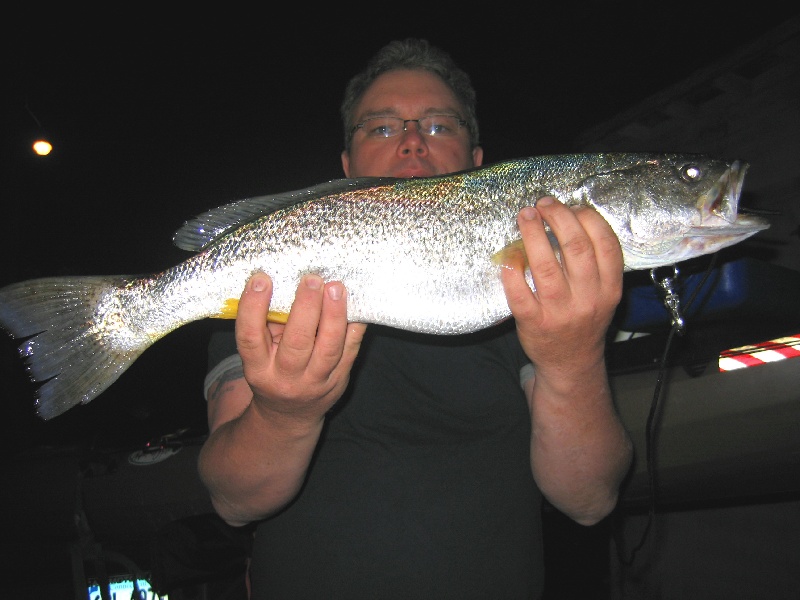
[[42, 147], [760, 354]]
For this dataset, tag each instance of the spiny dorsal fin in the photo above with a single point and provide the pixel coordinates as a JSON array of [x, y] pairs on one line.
[[199, 232]]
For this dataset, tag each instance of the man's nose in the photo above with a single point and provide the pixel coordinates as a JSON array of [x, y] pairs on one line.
[[412, 139]]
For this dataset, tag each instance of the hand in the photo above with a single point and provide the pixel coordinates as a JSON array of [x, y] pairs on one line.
[[300, 369], [562, 325]]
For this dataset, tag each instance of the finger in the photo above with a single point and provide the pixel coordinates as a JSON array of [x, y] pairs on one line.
[[332, 329], [606, 245], [338, 341], [538, 244], [575, 245], [512, 275], [543, 260], [300, 332], [252, 337], [276, 331], [352, 342]]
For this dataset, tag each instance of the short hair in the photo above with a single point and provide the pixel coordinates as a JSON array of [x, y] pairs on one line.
[[413, 54]]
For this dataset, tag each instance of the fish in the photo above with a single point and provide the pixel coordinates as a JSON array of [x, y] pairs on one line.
[[420, 254]]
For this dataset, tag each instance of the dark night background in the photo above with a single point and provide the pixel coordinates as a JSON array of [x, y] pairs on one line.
[[156, 119]]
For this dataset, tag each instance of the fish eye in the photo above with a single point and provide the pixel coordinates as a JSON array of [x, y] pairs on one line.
[[691, 172]]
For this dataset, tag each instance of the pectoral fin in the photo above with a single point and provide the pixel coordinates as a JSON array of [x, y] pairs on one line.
[[231, 308], [511, 255], [275, 316]]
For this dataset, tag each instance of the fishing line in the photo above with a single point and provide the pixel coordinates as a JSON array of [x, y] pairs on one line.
[[672, 303]]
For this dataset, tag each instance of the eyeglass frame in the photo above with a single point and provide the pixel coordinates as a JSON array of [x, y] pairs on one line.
[[461, 123]]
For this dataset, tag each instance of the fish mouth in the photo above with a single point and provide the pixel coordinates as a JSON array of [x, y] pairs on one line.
[[717, 221], [718, 209]]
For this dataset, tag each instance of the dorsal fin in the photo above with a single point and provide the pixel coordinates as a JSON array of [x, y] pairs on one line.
[[200, 231]]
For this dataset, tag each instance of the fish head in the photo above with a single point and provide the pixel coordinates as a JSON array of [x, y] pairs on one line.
[[670, 208]]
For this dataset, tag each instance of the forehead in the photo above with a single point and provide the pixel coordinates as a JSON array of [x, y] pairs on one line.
[[407, 93]]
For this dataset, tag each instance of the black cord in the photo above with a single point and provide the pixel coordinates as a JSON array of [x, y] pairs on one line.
[[650, 434], [650, 428]]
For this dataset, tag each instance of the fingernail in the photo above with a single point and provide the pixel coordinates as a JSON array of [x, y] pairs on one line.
[[258, 283], [545, 201], [313, 282], [528, 213], [335, 291]]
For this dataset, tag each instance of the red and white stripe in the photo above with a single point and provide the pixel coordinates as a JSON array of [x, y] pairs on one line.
[[759, 354]]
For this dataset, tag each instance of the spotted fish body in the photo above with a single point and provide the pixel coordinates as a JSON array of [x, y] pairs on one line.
[[416, 254]]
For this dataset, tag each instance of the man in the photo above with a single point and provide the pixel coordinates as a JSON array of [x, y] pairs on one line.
[[384, 464]]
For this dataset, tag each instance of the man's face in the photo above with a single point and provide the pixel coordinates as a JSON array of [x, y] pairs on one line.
[[409, 95]]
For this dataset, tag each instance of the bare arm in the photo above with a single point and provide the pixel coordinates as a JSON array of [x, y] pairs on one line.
[[580, 452], [264, 427]]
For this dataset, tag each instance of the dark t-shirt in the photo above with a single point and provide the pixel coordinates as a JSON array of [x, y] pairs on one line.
[[421, 484]]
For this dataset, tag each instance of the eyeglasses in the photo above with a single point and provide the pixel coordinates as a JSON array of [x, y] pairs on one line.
[[432, 125]]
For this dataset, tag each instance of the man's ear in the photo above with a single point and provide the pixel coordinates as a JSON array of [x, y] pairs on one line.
[[346, 162], [477, 156]]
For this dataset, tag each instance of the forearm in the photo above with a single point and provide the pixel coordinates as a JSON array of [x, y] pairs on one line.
[[580, 451], [255, 464]]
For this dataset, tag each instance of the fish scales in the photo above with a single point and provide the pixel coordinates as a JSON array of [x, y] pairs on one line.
[[384, 246], [417, 254]]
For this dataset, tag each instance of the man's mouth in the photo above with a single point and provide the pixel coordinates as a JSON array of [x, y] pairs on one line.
[[415, 172]]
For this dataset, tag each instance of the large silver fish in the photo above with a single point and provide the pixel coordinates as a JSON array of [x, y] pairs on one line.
[[416, 254]]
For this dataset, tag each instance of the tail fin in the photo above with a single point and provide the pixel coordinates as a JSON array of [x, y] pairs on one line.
[[77, 337]]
